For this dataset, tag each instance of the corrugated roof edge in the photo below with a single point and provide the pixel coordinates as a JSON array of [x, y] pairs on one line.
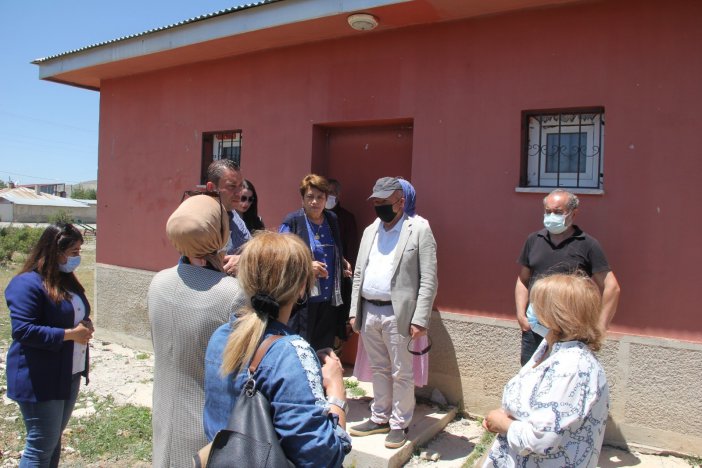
[[226, 11]]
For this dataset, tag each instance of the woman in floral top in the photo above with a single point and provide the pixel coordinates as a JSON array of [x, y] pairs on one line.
[[554, 410]]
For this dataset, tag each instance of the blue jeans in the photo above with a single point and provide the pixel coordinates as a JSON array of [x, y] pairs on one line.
[[530, 341], [45, 422]]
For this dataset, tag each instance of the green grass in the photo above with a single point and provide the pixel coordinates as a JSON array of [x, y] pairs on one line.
[[481, 447], [112, 434]]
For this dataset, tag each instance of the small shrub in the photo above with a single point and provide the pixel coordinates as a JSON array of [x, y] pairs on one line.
[[61, 217], [17, 240]]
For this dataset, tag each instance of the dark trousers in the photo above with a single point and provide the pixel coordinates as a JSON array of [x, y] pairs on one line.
[[530, 341], [317, 323]]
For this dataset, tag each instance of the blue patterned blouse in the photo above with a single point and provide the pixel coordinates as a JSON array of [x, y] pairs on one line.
[[560, 407]]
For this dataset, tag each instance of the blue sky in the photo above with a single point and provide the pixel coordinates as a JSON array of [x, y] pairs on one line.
[[49, 131]]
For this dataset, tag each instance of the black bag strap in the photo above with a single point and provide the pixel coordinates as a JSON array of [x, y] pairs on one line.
[[261, 351]]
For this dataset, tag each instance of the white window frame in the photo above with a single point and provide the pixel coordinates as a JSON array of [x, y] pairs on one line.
[[540, 124]]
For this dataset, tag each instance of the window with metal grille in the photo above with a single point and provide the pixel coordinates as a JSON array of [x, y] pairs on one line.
[[563, 148], [220, 145]]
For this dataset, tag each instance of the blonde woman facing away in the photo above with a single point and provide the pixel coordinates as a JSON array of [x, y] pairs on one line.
[[307, 398], [554, 410]]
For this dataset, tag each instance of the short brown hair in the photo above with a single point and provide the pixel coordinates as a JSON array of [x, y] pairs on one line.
[[570, 306], [314, 181]]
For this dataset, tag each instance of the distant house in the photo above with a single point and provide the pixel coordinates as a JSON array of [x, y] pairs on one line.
[[52, 189], [485, 105], [25, 205]]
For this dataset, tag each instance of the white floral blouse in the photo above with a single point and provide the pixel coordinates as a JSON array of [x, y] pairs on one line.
[[560, 409]]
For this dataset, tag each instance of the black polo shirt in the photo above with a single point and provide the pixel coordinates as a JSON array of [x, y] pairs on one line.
[[579, 252]]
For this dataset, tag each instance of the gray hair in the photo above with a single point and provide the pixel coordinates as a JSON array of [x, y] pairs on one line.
[[573, 200], [217, 168]]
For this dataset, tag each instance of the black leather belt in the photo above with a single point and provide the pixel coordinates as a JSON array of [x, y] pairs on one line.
[[378, 303]]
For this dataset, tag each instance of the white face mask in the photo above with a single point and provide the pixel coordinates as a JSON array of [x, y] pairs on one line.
[[70, 265], [331, 202], [555, 223]]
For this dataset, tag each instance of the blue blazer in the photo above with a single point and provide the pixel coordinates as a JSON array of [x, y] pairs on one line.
[[39, 362]]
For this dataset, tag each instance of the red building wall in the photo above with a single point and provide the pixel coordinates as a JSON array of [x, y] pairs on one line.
[[464, 85]]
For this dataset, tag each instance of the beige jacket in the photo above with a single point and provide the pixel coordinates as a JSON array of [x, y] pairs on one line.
[[414, 280]]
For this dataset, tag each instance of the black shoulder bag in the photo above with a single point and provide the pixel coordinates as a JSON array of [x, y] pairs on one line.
[[250, 439]]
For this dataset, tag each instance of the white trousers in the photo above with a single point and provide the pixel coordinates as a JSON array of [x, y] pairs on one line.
[[391, 364]]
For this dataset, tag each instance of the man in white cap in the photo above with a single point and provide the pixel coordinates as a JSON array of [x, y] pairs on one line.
[[394, 286]]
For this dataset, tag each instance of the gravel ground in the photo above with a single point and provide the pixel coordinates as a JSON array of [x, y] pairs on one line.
[[127, 375]]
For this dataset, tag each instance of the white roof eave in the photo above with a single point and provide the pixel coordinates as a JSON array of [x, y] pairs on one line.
[[264, 16]]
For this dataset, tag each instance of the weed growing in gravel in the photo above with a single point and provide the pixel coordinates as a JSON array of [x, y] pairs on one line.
[[481, 447], [352, 388], [111, 433]]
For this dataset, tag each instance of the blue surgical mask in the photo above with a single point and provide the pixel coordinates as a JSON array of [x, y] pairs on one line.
[[534, 323], [70, 265], [555, 223], [331, 202]]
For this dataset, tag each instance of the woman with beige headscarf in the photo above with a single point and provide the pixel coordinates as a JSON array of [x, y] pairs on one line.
[[186, 304]]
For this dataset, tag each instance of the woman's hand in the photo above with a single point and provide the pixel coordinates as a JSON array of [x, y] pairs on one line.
[[332, 373], [89, 324], [348, 271], [320, 269], [333, 381], [231, 264], [497, 421], [80, 334]]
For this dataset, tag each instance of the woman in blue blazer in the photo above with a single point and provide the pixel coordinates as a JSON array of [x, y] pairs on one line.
[[320, 318], [50, 332]]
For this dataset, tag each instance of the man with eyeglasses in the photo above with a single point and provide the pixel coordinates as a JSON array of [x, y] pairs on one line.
[[561, 247], [394, 286], [224, 177]]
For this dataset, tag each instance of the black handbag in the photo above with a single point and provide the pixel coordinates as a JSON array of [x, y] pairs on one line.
[[249, 440]]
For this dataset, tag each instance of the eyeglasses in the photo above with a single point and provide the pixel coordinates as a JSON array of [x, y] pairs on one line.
[[419, 353], [209, 193], [245, 199]]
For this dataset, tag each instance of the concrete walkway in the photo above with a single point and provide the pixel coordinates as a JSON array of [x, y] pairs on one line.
[[434, 432]]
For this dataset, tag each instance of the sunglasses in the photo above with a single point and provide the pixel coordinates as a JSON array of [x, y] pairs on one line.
[[419, 353], [209, 193], [192, 193], [245, 199]]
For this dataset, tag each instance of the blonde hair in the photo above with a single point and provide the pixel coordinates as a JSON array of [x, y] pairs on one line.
[[275, 265], [570, 306]]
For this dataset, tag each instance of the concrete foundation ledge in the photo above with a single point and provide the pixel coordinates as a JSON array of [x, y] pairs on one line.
[[370, 451]]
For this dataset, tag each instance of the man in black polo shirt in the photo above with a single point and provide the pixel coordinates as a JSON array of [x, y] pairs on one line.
[[561, 247]]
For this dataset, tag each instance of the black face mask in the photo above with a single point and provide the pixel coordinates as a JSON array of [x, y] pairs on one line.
[[385, 213]]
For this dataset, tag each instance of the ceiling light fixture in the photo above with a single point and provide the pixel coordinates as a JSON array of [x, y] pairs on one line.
[[362, 22]]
